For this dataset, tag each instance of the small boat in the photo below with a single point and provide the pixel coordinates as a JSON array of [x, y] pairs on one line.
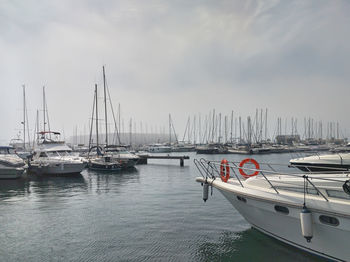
[[159, 148], [207, 149], [341, 149], [124, 157], [53, 157], [211, 148], [323, 163], [183, 147], [11, 165], [310, 212], [101, 161], [18, 146]]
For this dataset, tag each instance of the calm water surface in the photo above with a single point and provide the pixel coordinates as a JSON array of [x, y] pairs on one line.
[[154, 213]]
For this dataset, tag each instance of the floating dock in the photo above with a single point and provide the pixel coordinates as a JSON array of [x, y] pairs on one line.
[[144, 158]]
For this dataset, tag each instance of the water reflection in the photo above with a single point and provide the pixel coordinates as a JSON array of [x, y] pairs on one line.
[[251, 245], [14, 188], [66, 186], [104, 182]]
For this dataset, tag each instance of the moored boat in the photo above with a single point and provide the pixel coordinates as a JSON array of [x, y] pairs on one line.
[[53, 157], [308, 212], [323, 163], [124, 157], [11, 165]]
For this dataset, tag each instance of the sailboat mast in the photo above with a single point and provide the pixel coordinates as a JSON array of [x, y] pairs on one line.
[[104, 88], [37, 126], [169, 129], [24, 117], [44, 107], [96, 115]]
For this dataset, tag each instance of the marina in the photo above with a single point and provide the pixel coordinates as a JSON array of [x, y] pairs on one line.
[[174, 131]]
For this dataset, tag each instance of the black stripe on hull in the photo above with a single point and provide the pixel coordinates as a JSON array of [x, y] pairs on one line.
[[308, 167]]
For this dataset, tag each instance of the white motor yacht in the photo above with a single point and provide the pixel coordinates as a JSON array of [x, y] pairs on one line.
[[308, 211], [124, 157], [11, 165], [159, 148], [53, 157], [325, 163]]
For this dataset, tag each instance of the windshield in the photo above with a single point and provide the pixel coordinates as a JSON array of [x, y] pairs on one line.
[[64, 153], [52, 154], [6, 151]]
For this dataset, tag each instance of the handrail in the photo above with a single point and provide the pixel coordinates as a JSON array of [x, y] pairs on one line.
[[210, 169], [272, 171]]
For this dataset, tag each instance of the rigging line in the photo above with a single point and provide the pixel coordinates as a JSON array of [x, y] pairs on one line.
[[116, 130], [92, 120]]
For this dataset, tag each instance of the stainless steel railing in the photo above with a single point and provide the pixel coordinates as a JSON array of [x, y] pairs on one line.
[[211, 169]]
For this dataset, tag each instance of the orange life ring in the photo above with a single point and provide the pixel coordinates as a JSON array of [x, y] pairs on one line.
[[249, 160], [224, 170]]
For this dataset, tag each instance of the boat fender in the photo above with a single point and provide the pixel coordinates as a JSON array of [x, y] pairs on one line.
[[346, 187], [249, 160], [306, 224], [224, 170], [205, 191]]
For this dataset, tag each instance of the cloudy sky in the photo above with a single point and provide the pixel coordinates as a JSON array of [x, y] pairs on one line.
[[180, 57]]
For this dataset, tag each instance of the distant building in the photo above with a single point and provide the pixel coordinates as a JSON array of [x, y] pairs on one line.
[[287, 139]]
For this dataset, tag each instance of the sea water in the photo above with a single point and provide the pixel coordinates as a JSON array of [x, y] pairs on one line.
[[152, 213]]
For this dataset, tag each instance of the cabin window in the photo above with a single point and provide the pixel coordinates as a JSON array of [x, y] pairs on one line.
[[43, 154], [62, 153], [337, 194], [242, 199], [282, 209], [52, 154], [332, 221]]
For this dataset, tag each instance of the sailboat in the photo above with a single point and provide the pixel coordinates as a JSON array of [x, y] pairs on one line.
[[100, 160], [118, 153], [21, 146]]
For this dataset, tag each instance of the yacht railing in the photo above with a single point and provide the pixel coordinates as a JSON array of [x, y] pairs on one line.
[[211, 169]]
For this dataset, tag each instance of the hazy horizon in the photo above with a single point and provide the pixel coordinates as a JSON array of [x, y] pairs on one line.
[[175, 57]]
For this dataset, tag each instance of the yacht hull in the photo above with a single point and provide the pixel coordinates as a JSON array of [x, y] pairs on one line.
[[57, 169], [328, 241], [11, 172], [315, 167], [103, 167], [160, 150]]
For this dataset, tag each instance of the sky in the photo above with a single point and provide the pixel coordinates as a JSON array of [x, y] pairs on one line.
[[179, 57]]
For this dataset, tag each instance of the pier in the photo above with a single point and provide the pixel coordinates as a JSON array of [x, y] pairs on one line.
[[144, 158]]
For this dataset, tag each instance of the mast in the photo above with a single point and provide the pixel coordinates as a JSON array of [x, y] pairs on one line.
[[231, 140], [213, 125], [44, 107], [119, 123], [24, 117], [266, 124], [96, 116], [130, 133], [169, 130], [240, 130], [37, 126], [104, 91]]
